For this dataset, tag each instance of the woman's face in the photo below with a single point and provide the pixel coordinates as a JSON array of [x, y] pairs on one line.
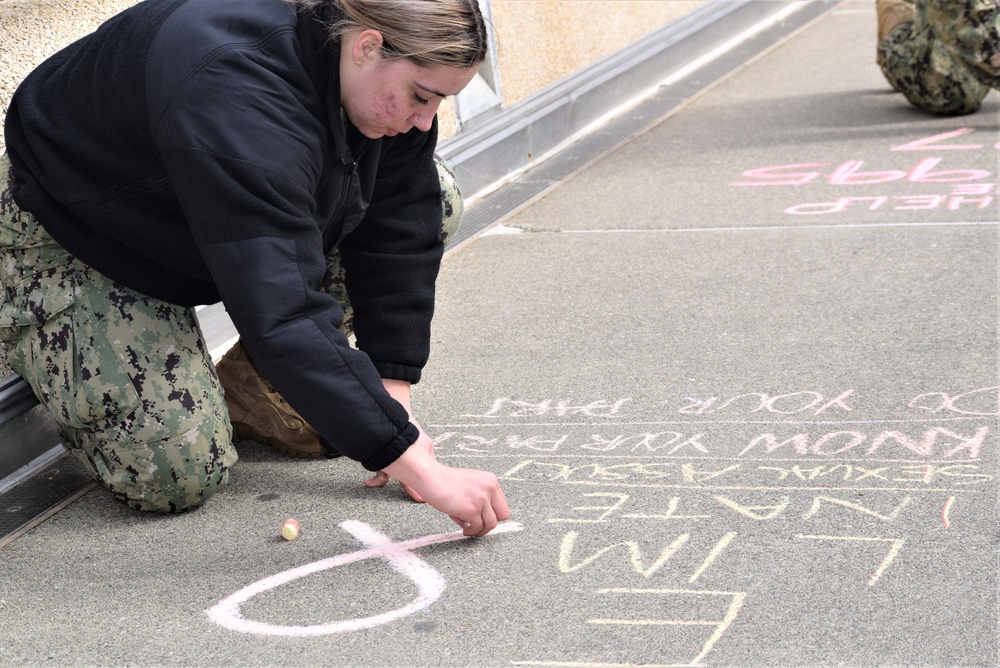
[[383, 98]]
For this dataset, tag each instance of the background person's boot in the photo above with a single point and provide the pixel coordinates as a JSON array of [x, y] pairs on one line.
[[891, 13], [258, 413]]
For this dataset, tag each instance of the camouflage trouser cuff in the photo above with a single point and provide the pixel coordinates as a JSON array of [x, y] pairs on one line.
[[934, 74]]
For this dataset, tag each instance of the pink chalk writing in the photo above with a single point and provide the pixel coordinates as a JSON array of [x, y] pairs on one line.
[[968, 188]]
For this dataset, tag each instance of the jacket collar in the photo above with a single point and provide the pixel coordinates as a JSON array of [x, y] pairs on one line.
[[321, 61]]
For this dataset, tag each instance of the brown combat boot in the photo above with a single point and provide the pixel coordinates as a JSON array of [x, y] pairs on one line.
[[258, 413], [891, 13]]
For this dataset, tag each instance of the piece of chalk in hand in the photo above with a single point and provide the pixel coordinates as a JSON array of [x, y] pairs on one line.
[[290, 529]]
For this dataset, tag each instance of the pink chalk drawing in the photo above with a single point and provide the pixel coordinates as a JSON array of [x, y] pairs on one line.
[[430, 584]]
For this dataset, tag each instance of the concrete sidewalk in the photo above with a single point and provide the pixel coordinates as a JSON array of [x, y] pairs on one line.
[[738, 377]]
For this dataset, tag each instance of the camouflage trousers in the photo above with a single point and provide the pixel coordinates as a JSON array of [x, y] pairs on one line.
[[948, 59], [128, 379]]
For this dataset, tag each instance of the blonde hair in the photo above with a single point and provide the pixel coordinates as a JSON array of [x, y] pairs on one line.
[[426, 32]]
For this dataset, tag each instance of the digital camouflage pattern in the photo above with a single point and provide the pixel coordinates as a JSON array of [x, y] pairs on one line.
[[947, 60], [128, 379]]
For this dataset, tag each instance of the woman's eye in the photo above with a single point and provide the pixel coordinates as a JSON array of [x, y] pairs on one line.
[[419, 100]]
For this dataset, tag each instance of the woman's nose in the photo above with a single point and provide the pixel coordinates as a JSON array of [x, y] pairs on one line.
[[422, 121], [424, 117]]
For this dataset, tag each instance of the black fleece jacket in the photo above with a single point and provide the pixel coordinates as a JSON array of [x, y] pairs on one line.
[[194, 150]]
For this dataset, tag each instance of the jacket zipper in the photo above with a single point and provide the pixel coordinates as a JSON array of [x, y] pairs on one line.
[[154, 184], [352, 163]]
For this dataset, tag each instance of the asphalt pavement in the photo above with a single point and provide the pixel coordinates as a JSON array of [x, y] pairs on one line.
[[739, 379]]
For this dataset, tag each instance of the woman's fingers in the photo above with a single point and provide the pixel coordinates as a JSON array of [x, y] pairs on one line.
[[377, 480], [500, 506], [486, 518], [473, 499], [489, 519], [413, 493], [381, 478]]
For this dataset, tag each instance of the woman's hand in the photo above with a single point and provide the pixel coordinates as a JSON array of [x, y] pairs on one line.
[[381, 478], [472, 499]]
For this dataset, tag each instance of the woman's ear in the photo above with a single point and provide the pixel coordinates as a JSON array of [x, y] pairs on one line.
[[366, 46]]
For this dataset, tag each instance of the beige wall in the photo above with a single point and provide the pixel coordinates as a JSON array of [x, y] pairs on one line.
[[542, 41]]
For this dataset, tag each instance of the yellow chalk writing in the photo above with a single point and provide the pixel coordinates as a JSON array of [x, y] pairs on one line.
[[750, 511], [621, 499], [721, 626], [635, 554], [820, 500], [897, 545]]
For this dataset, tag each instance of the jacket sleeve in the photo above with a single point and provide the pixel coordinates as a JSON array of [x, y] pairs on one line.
[[391, 260]]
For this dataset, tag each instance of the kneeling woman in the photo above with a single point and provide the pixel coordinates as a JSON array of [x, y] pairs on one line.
[[278, 157]]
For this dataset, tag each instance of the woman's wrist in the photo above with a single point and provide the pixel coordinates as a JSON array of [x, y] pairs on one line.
[[415, 467], [400, 391]]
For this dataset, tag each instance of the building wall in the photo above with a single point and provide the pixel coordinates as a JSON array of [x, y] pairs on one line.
[[542, 41]]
